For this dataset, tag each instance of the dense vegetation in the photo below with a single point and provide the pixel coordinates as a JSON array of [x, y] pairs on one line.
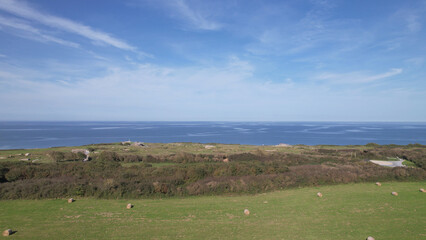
[[112, 173]]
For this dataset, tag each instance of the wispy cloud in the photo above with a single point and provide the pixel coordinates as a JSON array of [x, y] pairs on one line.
[[23, 10], [146, 92], [194, 17], [413, 23], [356, 77], [410, 18], [415, 61], [197, 93], [27, 31], [314, 31], [7, 75]]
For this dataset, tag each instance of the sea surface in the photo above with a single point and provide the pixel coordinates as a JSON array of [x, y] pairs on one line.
[[17, 135]]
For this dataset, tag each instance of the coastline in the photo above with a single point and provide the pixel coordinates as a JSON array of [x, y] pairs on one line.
[[30, 135]]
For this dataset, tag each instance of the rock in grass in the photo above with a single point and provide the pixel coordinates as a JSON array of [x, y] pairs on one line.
[[370, 238], [378, 184], [7, 232], [319, 194], [129, 206], [246, 212], [422, 190], [394, 193], [71, 200]]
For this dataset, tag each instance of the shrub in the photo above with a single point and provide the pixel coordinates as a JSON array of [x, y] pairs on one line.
[[246, 173], [131, 158], [56, 156], [108, 156]]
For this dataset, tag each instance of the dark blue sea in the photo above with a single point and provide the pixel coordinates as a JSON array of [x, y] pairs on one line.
[[15, 135]]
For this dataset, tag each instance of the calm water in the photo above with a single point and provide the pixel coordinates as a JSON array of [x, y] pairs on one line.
[[49, 134]]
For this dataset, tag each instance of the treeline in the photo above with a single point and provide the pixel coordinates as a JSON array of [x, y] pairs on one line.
[[192, 174]]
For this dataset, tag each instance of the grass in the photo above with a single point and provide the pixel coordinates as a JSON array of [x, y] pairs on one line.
[[352, 211], [408, 164]]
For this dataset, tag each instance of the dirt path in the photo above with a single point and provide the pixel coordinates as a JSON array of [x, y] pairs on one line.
[[389, 163]]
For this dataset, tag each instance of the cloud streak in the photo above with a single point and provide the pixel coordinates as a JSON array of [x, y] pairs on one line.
[[315, 30], [27, 31], [356, 77], [25, 11], [151, 92], [195, 17]]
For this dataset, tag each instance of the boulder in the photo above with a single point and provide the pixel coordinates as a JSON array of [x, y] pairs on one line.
[[7, 232], [283, 145], [138, 144], [246, 212]]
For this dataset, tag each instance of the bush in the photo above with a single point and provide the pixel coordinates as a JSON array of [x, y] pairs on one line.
[[56, 156], [131, 158], [104, 177], [108, 156]]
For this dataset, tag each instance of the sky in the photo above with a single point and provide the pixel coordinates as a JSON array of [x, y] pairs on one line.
[[231, 60]]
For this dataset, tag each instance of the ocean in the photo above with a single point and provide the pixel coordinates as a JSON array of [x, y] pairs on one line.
[[17, 135]]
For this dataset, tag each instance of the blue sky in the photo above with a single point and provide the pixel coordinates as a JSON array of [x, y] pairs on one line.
[[182, 60]]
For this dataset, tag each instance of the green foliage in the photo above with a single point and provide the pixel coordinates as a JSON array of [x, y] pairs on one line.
[[56, 156], [374, 145], [114, 174], [409, 164], [108, 156]]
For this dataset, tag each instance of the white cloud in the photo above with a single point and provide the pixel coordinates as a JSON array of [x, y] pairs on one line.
[[415, 61], [150, 92], [195, 17], [226, 92], [316, 30], [23, 10], [355, 77], [7, 75], [27, 31], [413, 23], [409, 19]]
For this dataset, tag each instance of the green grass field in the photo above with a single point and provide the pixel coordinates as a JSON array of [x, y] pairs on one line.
[[352, 211]]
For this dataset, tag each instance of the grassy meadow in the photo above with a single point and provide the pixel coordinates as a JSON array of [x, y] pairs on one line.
[[350, 211]]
